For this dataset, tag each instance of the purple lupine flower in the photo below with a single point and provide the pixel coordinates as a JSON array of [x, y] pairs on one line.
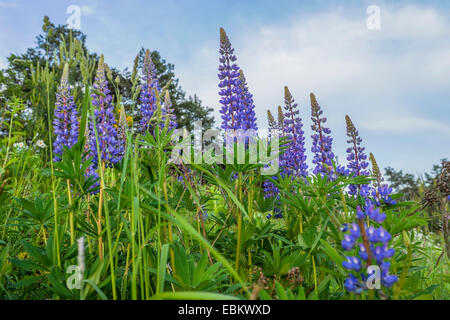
[[342, 171], [387, 280], [147, 95], [65, 123], [357, 163], [229, 84], [110, 145], [352, 263], [322, 141], [372, 246], [293, 160], [246, 114], [352, 284]]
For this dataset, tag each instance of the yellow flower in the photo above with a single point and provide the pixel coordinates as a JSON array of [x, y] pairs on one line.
[[129, 120], [23, 255]]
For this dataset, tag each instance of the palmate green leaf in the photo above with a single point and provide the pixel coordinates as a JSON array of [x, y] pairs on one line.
[[27, 281], [36, 253], [404, 220], [27, 265], [224, 186]]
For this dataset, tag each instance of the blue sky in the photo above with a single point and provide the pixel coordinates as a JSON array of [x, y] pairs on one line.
[[393, 82]]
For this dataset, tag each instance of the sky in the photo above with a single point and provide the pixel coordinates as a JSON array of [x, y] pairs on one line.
[[393, 81]]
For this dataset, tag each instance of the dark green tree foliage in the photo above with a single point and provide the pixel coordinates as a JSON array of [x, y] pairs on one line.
[[187, 109], [411, 186], [405, 183], [54, 48]]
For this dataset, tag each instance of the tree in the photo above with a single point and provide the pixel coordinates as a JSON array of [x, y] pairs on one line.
[[58, 45], [187, 110], [405, 183]]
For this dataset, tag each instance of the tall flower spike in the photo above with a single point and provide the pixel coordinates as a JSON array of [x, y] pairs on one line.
[[380, 191], [322, 141], [65, 123], [229, 84], [271, 120], [280, 116], [376, 171], [293, 161], [167, 112], [123, 126], [147, 95], [357, 163], [270, 190], [246, 113], [110, 145]]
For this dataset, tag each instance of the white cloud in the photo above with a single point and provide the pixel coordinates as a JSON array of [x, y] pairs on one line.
[[352, 69], [406, 124]]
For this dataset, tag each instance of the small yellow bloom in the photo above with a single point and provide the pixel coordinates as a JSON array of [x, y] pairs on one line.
[[23, 255], [129, 120]]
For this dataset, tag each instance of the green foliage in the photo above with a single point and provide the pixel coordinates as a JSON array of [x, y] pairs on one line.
[[160, 230]]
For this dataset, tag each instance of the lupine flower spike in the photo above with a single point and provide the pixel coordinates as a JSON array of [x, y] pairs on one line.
[[229, 84], [322, 141], [380, 191], [246, 113], [357, 163], [280, 120], [293, 161], [370, 243], [271, 121], [167, 112], [147, 95], [65, 123], [111, 148]]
